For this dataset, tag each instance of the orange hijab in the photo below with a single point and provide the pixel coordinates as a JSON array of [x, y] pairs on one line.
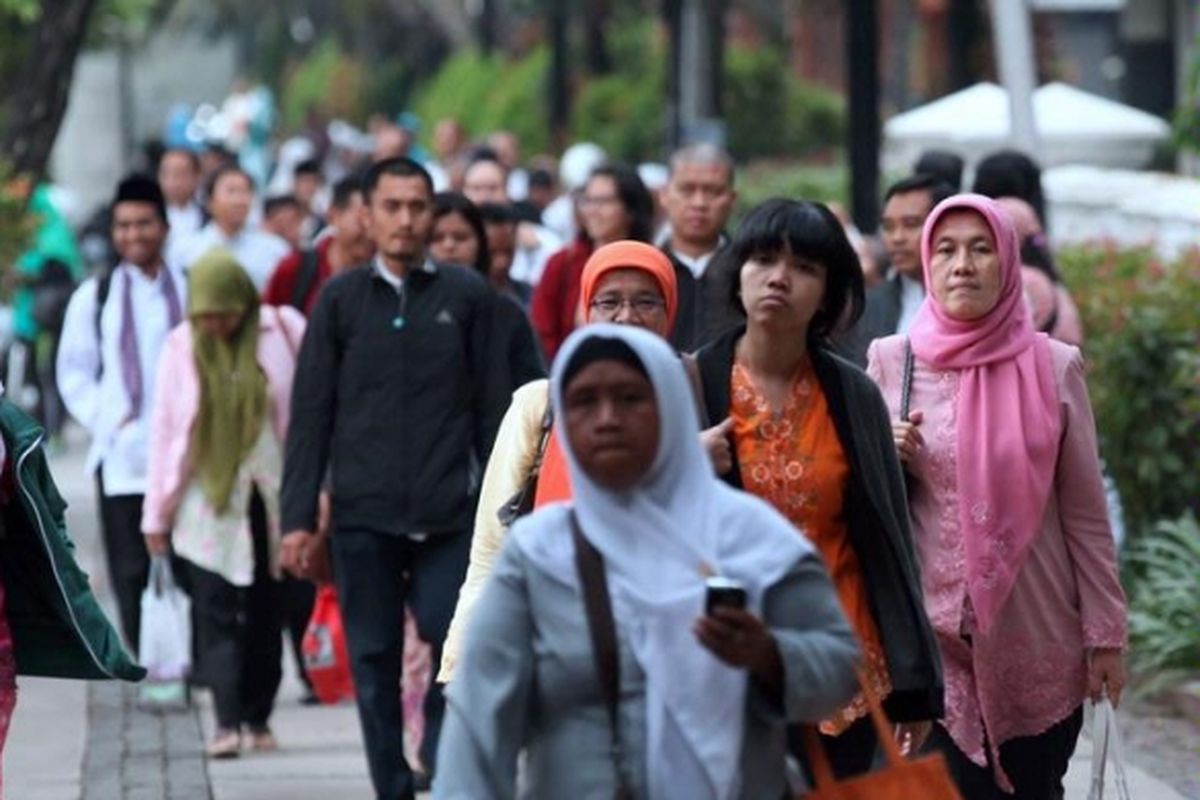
[[554, 484]]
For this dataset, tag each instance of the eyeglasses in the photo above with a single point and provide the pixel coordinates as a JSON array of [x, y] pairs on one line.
[[596, 201], [643, 305]]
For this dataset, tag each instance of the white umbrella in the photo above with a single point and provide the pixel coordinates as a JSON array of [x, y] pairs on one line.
[[1074, 127]]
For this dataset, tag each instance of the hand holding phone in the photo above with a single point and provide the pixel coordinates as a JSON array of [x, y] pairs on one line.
[[723, 593]]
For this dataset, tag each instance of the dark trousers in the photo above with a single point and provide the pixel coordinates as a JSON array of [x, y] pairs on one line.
[[298, 598], [851, 753], [239, 638], [1035, 764], [125, 553], [377, 575]]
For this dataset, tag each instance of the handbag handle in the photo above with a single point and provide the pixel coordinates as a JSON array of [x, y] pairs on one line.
[[1106, 747], [906, 381], [818, 761]]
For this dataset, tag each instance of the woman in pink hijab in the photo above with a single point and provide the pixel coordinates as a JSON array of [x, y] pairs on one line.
[[1018, 564]]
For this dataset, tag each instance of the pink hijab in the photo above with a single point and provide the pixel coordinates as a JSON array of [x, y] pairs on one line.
[[1008, 420]]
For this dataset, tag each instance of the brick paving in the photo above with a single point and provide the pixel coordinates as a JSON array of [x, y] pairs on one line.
[[134, 754]]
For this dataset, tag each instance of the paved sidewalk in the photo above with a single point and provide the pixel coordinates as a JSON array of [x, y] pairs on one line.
[[320, 754], [76, 741]]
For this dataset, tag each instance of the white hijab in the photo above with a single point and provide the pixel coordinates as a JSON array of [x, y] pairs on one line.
[[659, 540]]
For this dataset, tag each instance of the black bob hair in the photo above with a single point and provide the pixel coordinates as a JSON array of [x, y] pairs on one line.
[[447, 203], [808, 230]]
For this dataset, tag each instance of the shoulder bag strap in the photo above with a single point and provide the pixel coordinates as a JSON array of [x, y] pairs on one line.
[[304, 278], [287, 335], [603, 630], [103, 286], [692, 367], [906, 382], [521, 503]]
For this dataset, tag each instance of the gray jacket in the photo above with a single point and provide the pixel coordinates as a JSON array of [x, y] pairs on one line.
[[526, 682]]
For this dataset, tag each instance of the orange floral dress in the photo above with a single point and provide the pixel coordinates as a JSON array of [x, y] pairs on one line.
[[793, 459]]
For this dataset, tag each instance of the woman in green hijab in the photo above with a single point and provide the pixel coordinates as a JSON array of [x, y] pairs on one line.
[[217, 432]]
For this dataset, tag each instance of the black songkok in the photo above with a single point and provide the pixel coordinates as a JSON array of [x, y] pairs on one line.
[[141, 189]]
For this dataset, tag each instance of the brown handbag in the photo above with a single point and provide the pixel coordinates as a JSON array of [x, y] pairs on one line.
[[924, 778]]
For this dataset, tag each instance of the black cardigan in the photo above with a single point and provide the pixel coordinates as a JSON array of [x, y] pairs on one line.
[[876, 514]]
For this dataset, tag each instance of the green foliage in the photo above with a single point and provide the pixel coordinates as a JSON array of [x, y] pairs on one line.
[[623, 116], [1164, 604], [22, 11], [771, 113], [1187, 114], [487, 94], [1143, 350], [766, 179], [329, 82], [16, 223]]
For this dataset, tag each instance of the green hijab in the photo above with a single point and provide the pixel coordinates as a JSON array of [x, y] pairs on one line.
[[233, 389]]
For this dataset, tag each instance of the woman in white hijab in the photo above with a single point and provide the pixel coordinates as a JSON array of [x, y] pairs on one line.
[[703, 700]]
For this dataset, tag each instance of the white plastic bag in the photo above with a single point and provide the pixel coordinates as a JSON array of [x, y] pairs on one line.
[[166, 633], [1107, 755]]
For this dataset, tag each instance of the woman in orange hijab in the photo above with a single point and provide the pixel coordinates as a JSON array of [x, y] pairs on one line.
[[625, 282]]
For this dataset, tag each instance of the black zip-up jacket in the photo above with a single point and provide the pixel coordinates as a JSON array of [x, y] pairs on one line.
[[400, 396]]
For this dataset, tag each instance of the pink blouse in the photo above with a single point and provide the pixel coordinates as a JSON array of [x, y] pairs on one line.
[[1029, 671]]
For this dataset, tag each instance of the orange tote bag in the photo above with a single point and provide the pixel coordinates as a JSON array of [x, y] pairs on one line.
[[924, 778]]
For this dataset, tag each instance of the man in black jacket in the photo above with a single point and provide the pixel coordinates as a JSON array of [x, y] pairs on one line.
[[698, 199], [399, 394], [891, 305]]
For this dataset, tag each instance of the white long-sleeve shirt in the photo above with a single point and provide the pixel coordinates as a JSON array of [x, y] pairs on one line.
[[256, 250], [119, 446]]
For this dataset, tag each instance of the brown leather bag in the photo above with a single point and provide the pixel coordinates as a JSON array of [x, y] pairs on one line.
[[598, 607], [924, 778]]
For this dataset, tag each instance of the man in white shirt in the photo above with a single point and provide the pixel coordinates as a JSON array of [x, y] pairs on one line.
[[179, 177], [486, 181], [230, 198], [114, 328], [892, 305]]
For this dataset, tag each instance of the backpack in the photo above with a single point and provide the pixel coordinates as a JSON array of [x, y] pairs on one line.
[[309, 261], [103, 284]]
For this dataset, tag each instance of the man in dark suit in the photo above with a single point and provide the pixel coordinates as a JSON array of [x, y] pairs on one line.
[[891, 305], [698, 199]]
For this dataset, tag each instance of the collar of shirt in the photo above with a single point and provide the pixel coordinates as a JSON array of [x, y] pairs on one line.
[[135, 273], [391, 278], [698, 264], [912, 294]]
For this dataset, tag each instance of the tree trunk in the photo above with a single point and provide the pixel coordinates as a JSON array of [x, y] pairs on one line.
[[696, 70], [862, 71], [595, 37], [559, 84], [37, 106], [486, 27]]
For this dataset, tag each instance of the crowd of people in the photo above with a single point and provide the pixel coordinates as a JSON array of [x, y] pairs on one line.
[[541, 412]]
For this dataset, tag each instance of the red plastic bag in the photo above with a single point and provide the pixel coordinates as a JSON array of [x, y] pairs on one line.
[[324, 648]]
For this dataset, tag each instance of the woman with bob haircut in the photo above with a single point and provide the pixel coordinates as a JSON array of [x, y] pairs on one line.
[[670, 699], [810, 434]]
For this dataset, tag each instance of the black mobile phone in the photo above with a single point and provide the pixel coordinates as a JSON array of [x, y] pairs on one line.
[[723, 592]]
